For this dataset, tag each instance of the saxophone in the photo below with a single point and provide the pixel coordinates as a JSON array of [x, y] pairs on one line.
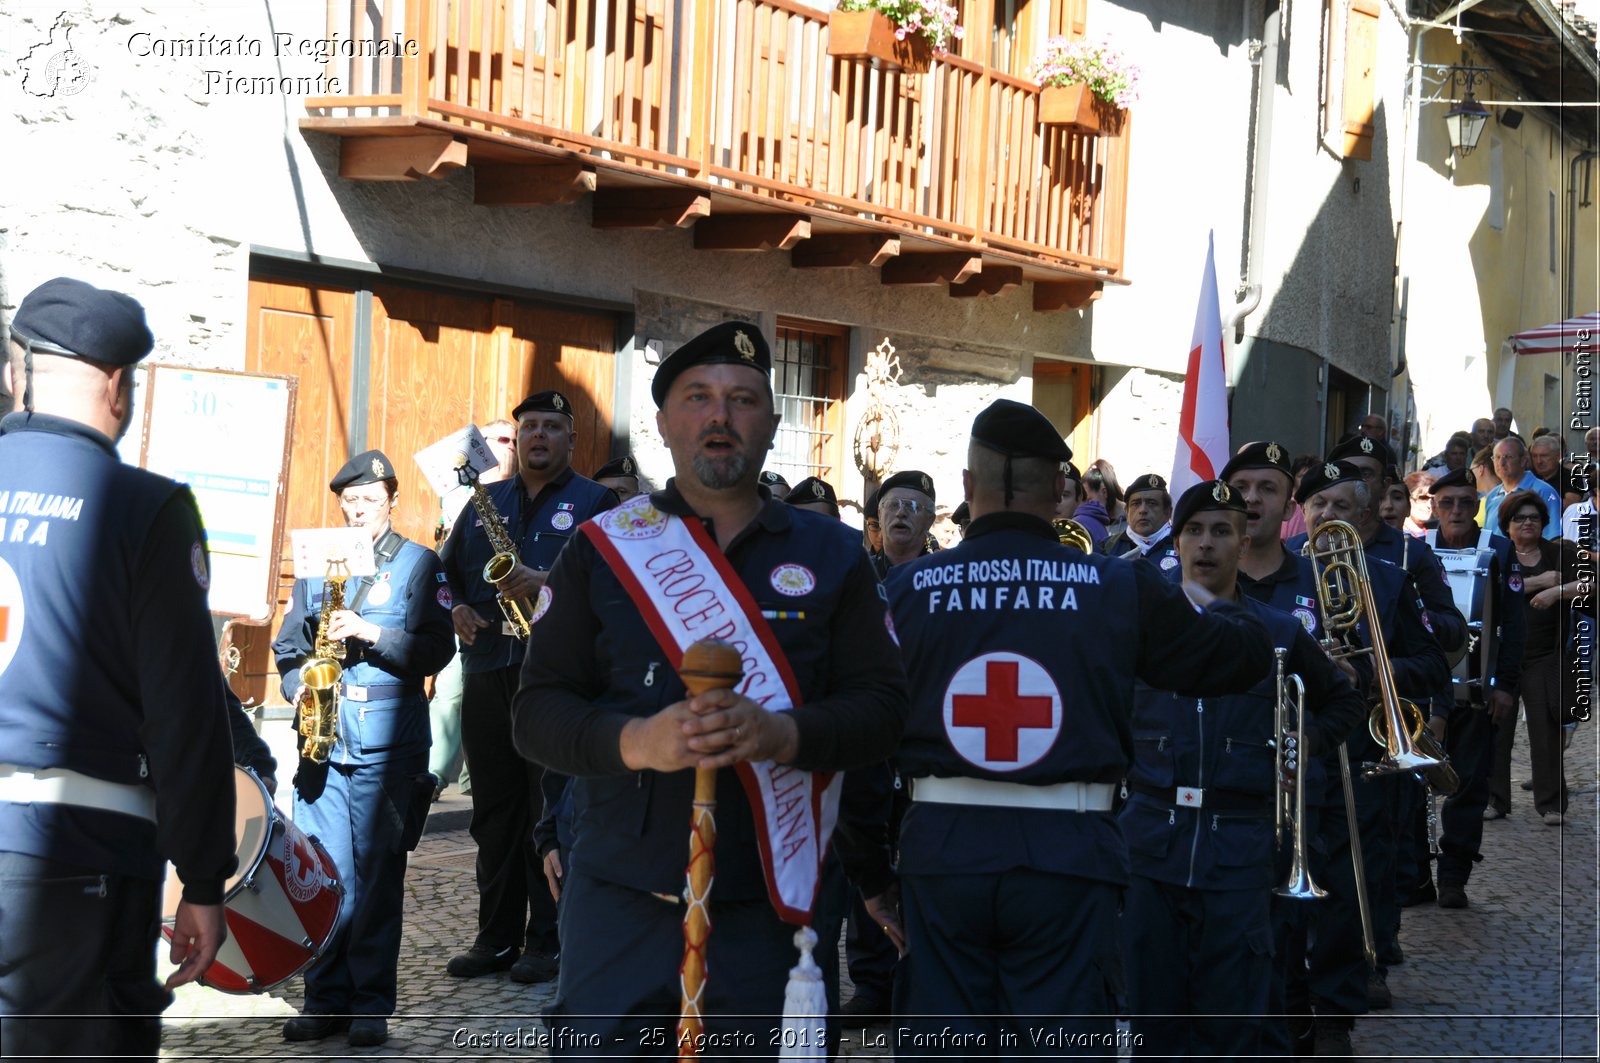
[[318, 700], [517, 610]]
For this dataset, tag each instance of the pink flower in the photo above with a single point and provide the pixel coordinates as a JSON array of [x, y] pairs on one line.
[[900, 34]]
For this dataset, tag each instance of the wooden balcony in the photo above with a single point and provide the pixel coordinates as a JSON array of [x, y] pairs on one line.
[[731, 117]]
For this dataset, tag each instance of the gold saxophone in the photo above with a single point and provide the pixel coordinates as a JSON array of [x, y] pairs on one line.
[[517, 610], [320, 676]]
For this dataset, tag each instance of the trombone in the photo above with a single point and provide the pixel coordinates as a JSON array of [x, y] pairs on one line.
[[1298, 885]]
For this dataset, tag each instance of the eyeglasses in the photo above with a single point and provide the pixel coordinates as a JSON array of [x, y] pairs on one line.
[[1455, 503], [1526, 518], [502, 440], [902, 505], [364, 500]]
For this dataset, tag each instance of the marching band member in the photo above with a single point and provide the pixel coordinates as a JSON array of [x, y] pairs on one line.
[[621, 475], [1149, 531], [1197, 938], [1021, 652], [710, 555], [367, 802], [905, 513]]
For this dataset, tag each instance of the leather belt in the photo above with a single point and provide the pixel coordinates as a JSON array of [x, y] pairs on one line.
[[1213, 799], [1061, 796], [61, 786], [381, 692]]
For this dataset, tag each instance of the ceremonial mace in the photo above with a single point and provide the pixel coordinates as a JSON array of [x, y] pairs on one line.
[[709, 664]]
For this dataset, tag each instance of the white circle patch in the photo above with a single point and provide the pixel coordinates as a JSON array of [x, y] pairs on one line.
[[636, 518], [197, 563], [541, 605], [793, 580], [562, 520], [1169, 562], [1002, 711], [1307, 618], [380, 593], [302, 871], [11, 614], [443, 597]]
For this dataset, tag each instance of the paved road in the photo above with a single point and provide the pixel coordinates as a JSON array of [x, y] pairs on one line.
[[1512, 977]]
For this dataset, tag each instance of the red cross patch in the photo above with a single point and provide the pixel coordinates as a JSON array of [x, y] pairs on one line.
[[1002, 711]]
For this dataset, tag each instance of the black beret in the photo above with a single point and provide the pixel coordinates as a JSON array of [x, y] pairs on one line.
[[730, 343], [66, 316], [368, 467], [917, 481], [1206, 495], [869, 508], [773, 480], [623, 466], [1262, 455], [1017, 430], [1148, 482], [1360, 446], [1461, 477], [810, 490], [1324, 475], [543, 402], [962, 515], [1073, 472]]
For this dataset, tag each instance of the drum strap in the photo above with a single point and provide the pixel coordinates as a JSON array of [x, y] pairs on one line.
[[60, 786]]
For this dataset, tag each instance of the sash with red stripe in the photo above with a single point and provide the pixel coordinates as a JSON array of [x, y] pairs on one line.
[[686, 591]]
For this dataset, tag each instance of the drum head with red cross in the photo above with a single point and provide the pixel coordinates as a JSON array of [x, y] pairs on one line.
[[1002, 712]]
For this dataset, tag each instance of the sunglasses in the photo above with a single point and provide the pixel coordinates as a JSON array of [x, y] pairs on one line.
[[504, 440], [1526, 518]]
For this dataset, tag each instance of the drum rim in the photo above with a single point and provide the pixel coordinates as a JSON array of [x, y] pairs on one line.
[[246, 877]]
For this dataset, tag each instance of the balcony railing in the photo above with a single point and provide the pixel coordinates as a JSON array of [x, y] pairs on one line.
[[741, 97]]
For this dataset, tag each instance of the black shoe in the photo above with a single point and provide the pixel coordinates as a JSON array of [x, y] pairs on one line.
[[1378, 996], [1452, 897], [478, 961], [1421, 895], [368, 1030], [866, 1004], [1391, 955], [312, 1027], [1528, 785], [1333, 1038], [536, 965]]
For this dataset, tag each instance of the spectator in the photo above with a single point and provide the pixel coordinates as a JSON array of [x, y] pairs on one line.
[[1482, 434], [1454, 455], [1511, 466], [1374, 426], [1502, 424], [1295, 524], [1100, 487], [1394, 509], [1419, 488]]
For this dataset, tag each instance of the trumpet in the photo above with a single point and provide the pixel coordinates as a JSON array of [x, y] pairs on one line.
[[1070, 533], [320, 676], [518, 611], [1344, 595], [1290, 687]]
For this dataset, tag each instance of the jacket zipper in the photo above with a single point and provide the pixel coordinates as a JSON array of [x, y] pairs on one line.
[[1199, 783]]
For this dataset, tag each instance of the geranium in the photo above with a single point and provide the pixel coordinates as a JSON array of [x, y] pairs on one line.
[[929, 18], [1105, 71]]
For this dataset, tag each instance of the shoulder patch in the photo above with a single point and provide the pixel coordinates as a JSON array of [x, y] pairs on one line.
[[197, 564]]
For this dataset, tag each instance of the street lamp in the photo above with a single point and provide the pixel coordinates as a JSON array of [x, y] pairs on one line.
[[1466, 119]]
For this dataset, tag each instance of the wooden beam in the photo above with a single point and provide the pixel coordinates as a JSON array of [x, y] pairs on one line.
[[932, 267], [751, 232], [1064, 295], [510, 185], [841, 250], [992, 281], [649, 208], [400, 158]]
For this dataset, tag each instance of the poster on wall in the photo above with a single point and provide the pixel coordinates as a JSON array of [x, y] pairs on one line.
[[226, 435]]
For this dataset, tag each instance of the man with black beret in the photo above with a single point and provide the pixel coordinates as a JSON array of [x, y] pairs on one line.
[[1020, 652], [871, 530], [1196, 923], [1148, 535], [367, 800], [111, 701], [540, 509], [905, 514], [621, 475], [815, 493], [775, 483], [1339, 975], [710, 555]]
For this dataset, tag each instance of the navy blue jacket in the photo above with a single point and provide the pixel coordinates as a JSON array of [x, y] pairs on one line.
[[1223, 746], [540, 527], [390, 718], [107, 657], [1010, 614], [1119, 545], [600, 666]]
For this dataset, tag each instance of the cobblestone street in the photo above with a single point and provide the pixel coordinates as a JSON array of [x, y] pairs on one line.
[[1512, 977]]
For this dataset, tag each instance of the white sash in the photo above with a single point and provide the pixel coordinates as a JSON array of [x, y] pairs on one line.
[[686, 591]]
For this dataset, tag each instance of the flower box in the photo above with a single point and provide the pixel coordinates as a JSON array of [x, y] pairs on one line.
[[1076, 107], [870, 35]]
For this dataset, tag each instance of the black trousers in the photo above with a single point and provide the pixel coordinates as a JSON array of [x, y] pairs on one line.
[[514, 903], [1470, 739], [74, 942]]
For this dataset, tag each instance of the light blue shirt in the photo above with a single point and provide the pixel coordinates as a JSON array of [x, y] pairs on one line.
[[1529, 482]]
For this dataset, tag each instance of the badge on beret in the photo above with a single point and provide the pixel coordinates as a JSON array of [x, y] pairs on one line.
[[1274, 453], [558, 402], [927, 485], [627, 466], [1331, 471], [1366, 445], [817, 490], [1221, 493], [742, 344], [378, 469], [1157, 482]]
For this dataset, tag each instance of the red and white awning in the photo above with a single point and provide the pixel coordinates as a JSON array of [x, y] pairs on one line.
[[1569, 335]]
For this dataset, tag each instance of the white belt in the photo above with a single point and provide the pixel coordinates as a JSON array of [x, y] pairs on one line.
[[59, 786], [1062, 796]]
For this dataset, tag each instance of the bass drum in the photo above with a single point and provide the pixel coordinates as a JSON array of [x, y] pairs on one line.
[[281, 905]]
